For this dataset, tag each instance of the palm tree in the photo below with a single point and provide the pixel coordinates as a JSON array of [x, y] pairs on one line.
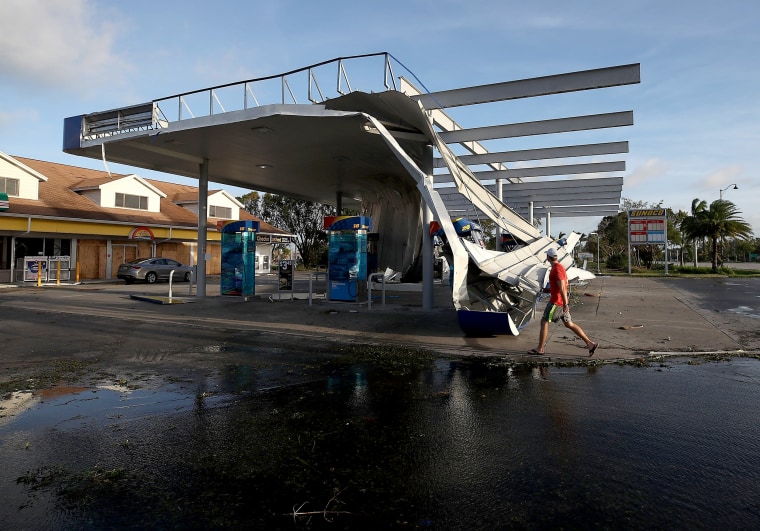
[[697, 208], [715, 222], [675, 233]]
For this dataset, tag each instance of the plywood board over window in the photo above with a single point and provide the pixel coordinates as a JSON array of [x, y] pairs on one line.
[[88, 257], [170, 250]]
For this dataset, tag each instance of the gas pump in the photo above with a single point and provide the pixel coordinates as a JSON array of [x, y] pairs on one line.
[[238, 274], [347, 255]]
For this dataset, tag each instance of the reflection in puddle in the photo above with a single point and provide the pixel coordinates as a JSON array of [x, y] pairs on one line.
[[439, 444], [15, 403], [745, 311]]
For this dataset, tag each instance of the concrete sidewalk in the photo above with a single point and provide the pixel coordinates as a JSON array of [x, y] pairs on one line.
[[629, 316]]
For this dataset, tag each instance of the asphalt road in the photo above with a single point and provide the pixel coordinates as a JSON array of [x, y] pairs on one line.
[[101, 321], [736, 294]]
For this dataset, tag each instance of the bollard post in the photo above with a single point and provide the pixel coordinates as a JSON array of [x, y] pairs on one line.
[[369, 289], [311, 276], [311, 284], [39, 273]]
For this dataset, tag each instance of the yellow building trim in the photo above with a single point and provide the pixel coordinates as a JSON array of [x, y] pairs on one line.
[[82, 229], [12, 223]]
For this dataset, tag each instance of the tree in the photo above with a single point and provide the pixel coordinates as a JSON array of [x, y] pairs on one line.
[[675, 232], [743, 248], [303, 219], [696, 207], [489, 232], [251, 203], [614, 233], [715, 222]]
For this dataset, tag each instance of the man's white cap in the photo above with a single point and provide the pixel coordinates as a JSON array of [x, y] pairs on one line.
[[551, 253]]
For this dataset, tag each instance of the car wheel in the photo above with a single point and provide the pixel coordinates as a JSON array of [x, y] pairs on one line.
[[187, 276], [151, 278]]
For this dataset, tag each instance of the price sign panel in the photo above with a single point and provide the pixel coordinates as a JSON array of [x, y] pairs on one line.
[[647, 226]]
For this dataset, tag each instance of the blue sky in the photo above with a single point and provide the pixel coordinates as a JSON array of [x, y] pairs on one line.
[[697, 109]]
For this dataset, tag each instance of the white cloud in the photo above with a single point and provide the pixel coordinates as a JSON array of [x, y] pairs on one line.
[[651, 169], [61, 44], [721, 177]]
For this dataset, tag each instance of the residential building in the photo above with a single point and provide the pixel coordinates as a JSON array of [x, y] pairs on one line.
[[81, 224]]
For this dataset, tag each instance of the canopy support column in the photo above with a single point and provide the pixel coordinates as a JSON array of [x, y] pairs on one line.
[[427, 238], [202, 228], [497, 229]]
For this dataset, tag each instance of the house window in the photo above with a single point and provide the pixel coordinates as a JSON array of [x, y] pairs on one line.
[[132, 201], [220, 212], [9, 186]]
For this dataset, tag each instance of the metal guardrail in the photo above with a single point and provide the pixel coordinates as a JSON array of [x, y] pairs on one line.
[[312, 276], [381, 276], [296, 86], [389, 286]]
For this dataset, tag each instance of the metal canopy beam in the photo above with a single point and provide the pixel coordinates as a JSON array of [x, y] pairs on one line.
[[542, 127], [556, 196], [541, 171], [585, 150], [458, 210], [539, 86], [551, 201], [545, 188], [570, 198]]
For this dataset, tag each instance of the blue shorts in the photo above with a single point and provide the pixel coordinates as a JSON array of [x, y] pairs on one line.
[[555, 312]]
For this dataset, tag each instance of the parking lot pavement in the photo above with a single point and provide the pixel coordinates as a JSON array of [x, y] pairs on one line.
[[629, 316]]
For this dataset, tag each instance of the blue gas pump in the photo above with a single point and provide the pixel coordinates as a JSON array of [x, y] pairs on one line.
[[238, 272], [347, 255]]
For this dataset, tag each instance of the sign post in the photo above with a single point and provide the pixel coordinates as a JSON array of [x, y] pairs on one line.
[[648, 226], [286, 276]]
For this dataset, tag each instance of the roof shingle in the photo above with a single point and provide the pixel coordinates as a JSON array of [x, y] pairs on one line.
[[58, 199]]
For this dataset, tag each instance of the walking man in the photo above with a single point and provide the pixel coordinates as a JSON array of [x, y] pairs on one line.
[[558, 307]]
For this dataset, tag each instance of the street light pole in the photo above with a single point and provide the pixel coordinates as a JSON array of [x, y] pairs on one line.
[[726, 188], [721, 198]]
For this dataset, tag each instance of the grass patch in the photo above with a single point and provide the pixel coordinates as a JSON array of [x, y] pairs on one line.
[[394, 359]]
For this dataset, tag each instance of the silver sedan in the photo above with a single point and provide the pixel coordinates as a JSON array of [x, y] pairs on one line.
[[151, 270]]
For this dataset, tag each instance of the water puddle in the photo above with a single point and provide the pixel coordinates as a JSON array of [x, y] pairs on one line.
[[393, 443], [746, 311]]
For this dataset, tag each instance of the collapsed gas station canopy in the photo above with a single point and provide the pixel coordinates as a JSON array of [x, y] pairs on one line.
[[288, 134], [375, 151]]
